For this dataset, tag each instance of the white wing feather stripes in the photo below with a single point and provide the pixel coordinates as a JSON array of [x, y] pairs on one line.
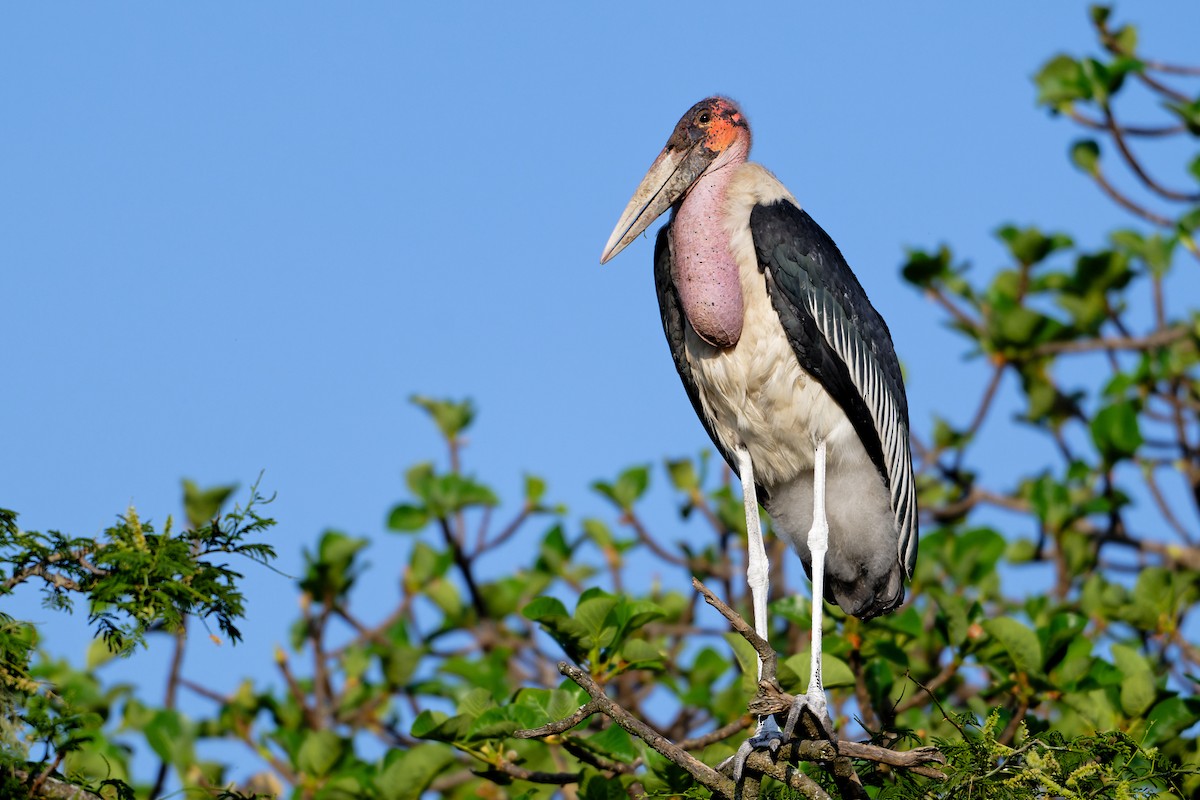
[[867, 377]]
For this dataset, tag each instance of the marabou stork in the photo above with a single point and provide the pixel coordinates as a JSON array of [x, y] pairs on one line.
[[790, 369]]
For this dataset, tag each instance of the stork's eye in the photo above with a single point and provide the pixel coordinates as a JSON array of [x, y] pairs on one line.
[[704, 118]]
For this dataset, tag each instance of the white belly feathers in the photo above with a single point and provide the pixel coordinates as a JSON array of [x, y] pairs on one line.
[[754, 391]]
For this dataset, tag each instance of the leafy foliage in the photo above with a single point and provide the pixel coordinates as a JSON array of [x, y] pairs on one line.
[[1044, 648]]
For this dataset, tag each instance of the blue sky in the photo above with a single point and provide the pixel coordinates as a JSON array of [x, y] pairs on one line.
[[235, 239]]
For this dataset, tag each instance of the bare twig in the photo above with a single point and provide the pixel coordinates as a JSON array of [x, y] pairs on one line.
[[720, 734], [947, 672], [40, 571], [645, 538], [53, 788], [1150, 131], [508, 532], [1164, 508], [566, 723], [1122, 146], [601, 703], [596, 760], [788, 774], [1127, 204], [173, 677], [298, 694], [537, 776], [1150, 341], [760, 645], [985, 404], [454, 542], [959, 315]]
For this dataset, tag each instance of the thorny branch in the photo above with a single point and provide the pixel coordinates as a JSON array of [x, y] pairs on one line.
[[835, 756]]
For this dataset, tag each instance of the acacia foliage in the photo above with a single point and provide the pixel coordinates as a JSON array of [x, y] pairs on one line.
[[1044, 647]]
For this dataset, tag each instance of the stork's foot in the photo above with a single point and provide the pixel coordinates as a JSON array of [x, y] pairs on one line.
[[807, 719], [810, 713], [767, 737]]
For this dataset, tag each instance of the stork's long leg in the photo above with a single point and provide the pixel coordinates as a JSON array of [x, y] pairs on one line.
[[768, 734], [818, 545], [757, 565], [757, 575]]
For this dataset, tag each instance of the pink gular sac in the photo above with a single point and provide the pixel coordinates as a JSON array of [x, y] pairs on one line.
[[703, 270]]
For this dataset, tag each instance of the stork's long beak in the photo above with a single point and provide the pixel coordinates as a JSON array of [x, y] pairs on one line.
[[669, 178]]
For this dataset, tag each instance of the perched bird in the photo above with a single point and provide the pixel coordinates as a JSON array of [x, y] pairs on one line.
[[790, 369]]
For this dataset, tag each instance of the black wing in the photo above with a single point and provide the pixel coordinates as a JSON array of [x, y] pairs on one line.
[[841, 340]]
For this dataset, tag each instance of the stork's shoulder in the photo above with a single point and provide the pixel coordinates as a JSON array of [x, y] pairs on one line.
[[753, 184]]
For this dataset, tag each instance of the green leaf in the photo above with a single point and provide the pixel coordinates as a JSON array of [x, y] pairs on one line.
[[333, 570], [399, 664], [1170, 718], [424, 565], [1021, 551], [446, 597], [202, 506], [535, 490], [955, 610], [924, 269], [594, 615], [1060, 82], [1115, 431], [475, 702], [552, 615], [418, 478], [1188, 113], [1075, 664], [1153, 599], [598, 532], [946, 436], [976, 553], [683, 474], [628, 488], [98, 654], [171, 738], [407, 518], [452, 418], [1126, 39], [439, 726], [835, 673], [1029, 245], [747, 660], [320, 752], [1085, 154], [1137, 686], [450, 493], [554, 551], [613, 742], [550, 704], [541, 608], [408, 773], [641, 654], [1019, 641], [497, 723], [599, 787]]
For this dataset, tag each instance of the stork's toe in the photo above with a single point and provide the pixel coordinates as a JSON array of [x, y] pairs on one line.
[[767, 737], [815, 710]]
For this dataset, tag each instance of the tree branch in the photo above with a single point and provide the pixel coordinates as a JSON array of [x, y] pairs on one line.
[[1148, 342], [1118, 138], [601, 703]]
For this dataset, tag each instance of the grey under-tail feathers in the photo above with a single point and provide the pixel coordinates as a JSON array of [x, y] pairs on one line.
[[863, 575]]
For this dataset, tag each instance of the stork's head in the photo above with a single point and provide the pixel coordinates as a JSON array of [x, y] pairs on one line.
[[711, 135]]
